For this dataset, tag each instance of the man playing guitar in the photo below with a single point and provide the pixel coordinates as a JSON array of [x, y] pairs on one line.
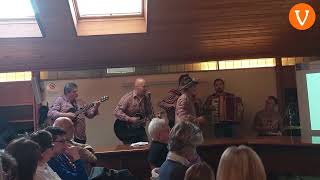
[[132, 112], [66, 105]]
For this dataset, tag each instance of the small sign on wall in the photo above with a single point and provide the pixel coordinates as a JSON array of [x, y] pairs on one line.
[[51, 86]]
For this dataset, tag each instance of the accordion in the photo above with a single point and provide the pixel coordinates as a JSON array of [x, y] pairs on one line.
[[227, 109]]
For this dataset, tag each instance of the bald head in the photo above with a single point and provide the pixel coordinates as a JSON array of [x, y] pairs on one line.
[[66, 124], [140, 86], [139, 82]]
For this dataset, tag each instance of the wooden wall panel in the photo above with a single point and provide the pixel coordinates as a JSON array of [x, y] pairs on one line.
[[178, 31]]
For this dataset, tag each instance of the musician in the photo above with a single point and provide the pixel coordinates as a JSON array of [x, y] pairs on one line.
[[169, 102], [185, 107], [221, 129], [62, 105], [268, 122], [132, 105]]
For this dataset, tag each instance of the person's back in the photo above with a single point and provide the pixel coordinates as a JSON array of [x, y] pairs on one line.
[[172, 170], [183, 141], [27, 154], [157, 153]]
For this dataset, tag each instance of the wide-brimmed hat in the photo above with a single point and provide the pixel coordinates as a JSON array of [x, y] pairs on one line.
[[187, 81]]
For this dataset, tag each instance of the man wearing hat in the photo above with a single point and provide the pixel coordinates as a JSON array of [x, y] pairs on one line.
[[185, 107], [169, 102]]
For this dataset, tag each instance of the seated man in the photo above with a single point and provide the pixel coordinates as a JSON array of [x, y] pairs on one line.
[[268, 121], [159, 132], [67, 163], [86, 152]]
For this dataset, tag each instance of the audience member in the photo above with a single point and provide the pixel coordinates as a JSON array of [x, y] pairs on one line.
[[199, 171], [44, 139], [27, 154], [66, 163], [8, 167], [183, 141], [86, 152], [159, 132], [240, 163]]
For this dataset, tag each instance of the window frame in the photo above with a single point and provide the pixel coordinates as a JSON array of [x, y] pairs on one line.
[[108, 17]]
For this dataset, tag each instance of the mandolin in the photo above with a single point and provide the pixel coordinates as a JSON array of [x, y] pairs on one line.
[[84, 109]]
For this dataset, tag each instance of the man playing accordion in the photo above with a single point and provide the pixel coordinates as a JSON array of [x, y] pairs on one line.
[[224, 109]]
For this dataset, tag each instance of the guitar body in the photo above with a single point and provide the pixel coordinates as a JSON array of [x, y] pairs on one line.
[[73, 110], [126, 132]]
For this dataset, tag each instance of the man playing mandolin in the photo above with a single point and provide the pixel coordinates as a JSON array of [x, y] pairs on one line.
[[132, 112], [69, 106]]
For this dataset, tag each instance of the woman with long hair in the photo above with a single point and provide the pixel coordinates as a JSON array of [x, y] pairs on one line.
[[27, 154], [240, 163]]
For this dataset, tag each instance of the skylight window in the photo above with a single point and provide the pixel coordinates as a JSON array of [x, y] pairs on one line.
[[16, 9], [18, 19], [109, 8]]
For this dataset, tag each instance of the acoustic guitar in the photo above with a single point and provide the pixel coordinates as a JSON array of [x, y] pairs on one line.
[[84, 109], [125, 130]]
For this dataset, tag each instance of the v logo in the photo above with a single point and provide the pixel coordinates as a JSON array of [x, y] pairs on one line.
[[296, 16], [305, 17]]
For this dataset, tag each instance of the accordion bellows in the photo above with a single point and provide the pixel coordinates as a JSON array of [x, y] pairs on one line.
[[227, 108]]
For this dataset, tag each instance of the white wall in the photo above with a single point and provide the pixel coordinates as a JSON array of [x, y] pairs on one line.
[[253, 85]]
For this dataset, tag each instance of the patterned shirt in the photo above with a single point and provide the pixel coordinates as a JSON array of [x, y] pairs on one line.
[[185, 109], [265, 122], [62, 104], [169, 105], [130, 104]]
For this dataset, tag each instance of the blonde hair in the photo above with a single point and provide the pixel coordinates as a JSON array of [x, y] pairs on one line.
[[155, 126], [241, 163], [199, 171]]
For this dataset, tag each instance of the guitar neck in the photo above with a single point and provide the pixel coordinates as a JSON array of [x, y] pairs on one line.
[[88, 106]]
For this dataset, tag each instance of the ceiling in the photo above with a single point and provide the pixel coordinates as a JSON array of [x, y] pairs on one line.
[[179, 31]]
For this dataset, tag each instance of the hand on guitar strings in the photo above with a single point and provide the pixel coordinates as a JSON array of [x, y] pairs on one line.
[[70, 115], [97, 104], [134, 120]]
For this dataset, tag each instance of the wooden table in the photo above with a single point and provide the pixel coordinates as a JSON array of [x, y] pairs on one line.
[[280, 155]]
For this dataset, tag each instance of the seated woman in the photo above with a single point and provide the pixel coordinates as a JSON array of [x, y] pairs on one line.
[[268, 122], [159, 132], [240, 163], [27, 154], [8, 167], [183, 141], [44, 139], [199, 171]]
